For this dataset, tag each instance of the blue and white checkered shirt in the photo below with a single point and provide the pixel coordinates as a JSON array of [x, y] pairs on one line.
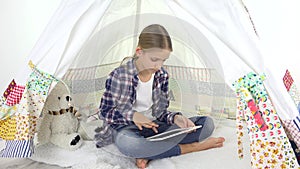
[[120, 94]]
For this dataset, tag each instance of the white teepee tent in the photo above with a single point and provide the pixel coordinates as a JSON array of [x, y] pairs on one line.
[[214, 42]]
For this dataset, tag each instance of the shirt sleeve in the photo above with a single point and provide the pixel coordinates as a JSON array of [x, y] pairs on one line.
[[116, 106], [163, 101]]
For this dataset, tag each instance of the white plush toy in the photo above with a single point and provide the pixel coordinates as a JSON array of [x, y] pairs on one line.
[[59, 122]]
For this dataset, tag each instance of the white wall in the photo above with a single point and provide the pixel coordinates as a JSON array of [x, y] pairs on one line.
[[278, 26], [22, 22]]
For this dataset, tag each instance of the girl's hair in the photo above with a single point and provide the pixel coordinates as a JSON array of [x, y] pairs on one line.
[[153, 36]]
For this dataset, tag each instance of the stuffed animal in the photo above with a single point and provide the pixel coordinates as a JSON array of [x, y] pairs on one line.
[[59, 122]]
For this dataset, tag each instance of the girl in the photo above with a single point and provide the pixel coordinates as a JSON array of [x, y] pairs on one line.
[[135, 102]]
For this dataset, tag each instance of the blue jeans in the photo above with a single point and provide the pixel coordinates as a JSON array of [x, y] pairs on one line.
[[132, 142]]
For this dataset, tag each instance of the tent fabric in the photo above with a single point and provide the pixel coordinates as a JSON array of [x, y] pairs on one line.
[[224, 24], [93, 36]]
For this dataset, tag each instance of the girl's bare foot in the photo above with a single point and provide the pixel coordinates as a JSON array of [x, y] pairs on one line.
[[141, 163], [212, 142]]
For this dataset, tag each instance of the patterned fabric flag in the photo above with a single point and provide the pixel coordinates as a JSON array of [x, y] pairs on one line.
[[15, 95], [291, 87], [9, 88], [11, 97], [288, 80]]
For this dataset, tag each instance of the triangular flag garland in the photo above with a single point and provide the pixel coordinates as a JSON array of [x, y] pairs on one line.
[[20, 108], [292, 126], [269, 145]]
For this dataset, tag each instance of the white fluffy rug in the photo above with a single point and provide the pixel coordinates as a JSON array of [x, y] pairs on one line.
[[89, 157]]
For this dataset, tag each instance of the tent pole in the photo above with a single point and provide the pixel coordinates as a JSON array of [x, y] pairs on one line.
[[136, 23]]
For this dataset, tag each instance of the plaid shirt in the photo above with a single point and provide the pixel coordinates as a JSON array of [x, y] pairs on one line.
[[120, 95]]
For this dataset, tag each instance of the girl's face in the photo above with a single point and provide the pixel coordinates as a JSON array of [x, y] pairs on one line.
[[151, 60]]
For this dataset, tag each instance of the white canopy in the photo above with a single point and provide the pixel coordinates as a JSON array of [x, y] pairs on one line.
[[214, 44], [212, 34]]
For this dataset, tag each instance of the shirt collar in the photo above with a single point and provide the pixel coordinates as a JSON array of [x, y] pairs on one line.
[[132, 68]]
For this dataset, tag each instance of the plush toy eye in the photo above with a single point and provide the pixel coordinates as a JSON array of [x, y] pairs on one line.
[[58, 98], [68, 98]]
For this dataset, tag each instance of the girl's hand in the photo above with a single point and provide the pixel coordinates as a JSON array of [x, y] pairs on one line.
[[142, 121], [183, 122]]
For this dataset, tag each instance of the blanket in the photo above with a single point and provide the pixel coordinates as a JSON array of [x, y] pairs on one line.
[[89, 157]]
